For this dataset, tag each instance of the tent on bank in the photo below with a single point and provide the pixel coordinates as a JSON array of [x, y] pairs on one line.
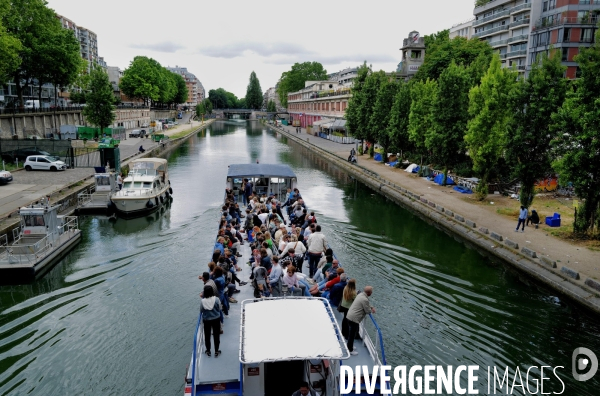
[[411, 167], [439, 179]]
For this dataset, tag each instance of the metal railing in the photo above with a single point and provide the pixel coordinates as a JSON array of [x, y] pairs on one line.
[[197, 343], [525, 6], [524, 21], [490, 31], [498, 43], [589, 20], [491, 17], [522, 37], [513, 54]]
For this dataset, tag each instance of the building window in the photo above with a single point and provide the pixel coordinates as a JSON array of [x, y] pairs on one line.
[[551, 4], [565, 54], [586, 35], [415, 54], [567, 35], [545, 7]]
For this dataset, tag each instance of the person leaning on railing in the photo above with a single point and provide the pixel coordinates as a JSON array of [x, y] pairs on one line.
[[360, 308]]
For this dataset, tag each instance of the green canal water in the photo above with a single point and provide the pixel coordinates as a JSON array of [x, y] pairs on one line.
[[117, 315]]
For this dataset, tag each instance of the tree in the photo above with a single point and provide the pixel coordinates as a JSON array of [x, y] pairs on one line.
[[380, 116], [200, 110], [445, 139], [218, 97], [354, 119], [397, 127], [254, 97], [27, 21], [577, 141], [241, 104], [100, 100], [142, 80], [294, 79], [441, 51], [487, 129], [181, 95], [10, 47], [366, 104], [58, 59], [271, 106], [420, 119], [533, 102], [208, 106]]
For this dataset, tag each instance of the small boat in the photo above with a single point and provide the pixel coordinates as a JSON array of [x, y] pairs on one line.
[[271, 345], [145, 189], [98, 200], [42, 238]]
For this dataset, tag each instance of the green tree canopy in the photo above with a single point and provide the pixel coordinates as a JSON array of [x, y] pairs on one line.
[[208, 105], [420, 120], [380, 116], [29, 22], [533, 102], [441, 51], [294, 79], [365, 104], [142, 80], [354, 112], [487, 129], [398, 124], [577, 142], [181, 94], [10, 48], [450, 113], [254, 96], [271, 106], [222, 99], [100, 100]]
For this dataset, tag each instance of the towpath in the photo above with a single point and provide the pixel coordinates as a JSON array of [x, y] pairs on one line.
[[579, 258]]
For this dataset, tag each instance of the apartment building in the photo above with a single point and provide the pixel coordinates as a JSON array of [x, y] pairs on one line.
[[88, 42], [462, 29], [318, 100], [196, 92], [505, 25], [566, 25], [344, 77]]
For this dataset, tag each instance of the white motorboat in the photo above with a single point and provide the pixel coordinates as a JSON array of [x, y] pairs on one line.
[[145, 189], [42, 238]]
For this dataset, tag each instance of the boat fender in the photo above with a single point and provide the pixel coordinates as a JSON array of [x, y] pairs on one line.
[[156, 200], [167, 195], [170, 189], [162, 200], [149, 204]]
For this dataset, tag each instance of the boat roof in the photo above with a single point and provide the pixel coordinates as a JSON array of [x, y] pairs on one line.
[[260, 170], [263, 319], [148, 163]]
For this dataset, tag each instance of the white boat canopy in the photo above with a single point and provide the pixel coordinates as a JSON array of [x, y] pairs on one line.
[[266, 320], [149, 163]]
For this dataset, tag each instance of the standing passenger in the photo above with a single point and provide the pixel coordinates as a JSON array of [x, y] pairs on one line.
[[211, 314]]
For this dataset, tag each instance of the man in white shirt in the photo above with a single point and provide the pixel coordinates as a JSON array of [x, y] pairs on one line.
[[315, 245]]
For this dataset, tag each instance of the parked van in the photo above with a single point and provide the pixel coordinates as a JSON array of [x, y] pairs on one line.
[[32, 104]]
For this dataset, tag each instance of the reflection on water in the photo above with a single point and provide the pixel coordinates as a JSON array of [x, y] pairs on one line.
[[117, 315]]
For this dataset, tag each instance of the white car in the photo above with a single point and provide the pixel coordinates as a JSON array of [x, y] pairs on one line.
[[44, 162], [5, 177]]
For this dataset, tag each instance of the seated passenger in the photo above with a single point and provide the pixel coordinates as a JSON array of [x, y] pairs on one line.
[[534, 218], [337, 291]]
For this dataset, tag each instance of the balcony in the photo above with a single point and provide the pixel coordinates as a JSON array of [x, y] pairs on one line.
[[490, 18], [591, 20], [498, 43], [522, 37], [515, 54], [520, 22], [519, 8], [521, 68], [491, 31]]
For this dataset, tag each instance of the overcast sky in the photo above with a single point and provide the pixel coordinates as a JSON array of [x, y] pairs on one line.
[[222, 42]]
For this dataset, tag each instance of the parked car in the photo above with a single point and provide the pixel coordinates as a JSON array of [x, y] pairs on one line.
[[137, 133], [5, 177], [44, 162], [22, 154]]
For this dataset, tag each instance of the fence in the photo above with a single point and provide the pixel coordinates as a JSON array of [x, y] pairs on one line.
[[337, 139]]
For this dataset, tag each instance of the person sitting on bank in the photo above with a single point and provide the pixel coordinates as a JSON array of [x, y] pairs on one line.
[[304, 390], [534, 218], [142, 149]]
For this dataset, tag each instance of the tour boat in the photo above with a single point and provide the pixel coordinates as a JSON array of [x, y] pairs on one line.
[[42, 238], [271, 345], [145, 189]]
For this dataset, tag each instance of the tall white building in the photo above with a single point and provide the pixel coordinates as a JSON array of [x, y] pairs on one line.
[[88, 42], [462, 29], [505, 25]]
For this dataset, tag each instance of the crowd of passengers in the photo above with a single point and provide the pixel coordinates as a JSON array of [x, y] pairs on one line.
[[278, 254]]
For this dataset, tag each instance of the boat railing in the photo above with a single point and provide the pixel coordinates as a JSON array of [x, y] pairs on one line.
[[198, 338], [21, 253], [85, 197], [373, 339], [69, 226]]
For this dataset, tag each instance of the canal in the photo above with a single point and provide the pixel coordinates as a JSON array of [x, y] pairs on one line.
[[117, 315]]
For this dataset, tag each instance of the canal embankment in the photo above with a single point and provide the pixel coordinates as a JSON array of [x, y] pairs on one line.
[[66, 194], [569, 269]]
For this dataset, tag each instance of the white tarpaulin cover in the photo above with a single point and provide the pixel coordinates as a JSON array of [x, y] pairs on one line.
[[410, 168], [266, 320]]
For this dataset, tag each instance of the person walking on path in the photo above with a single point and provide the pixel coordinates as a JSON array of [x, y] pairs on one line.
[[522, 219]]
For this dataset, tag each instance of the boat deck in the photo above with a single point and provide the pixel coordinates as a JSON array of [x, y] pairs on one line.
[[226, 368]]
